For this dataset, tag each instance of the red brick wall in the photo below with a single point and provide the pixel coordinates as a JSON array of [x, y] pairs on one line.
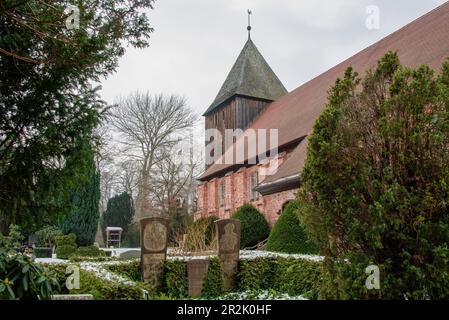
[[237, 193]]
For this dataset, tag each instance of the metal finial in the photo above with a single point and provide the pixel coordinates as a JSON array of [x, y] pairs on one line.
[[249, 24]]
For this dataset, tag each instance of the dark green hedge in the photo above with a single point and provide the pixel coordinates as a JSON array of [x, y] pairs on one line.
[[65, 246], [130, 270], [288, 235], [89, 251], [174, 280], [254, 227], [91, 284], [214, 284], [42, 252], [284, 275]]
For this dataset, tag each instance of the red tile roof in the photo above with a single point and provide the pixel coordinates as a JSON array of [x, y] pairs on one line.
[[424, 41]]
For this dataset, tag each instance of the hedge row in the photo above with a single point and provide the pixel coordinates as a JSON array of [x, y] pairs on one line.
[[285, 275], [100, 288], [174, 282]]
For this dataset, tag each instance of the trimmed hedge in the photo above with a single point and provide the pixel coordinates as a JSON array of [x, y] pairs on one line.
[[91, 284], [174, 280], [288, 235], [293, 276], [106, 290], [65, 246], [254, 227], [284, 275], [42, 252], [214, 283], [89, 251]]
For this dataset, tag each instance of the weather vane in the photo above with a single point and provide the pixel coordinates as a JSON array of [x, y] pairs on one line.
[[249, 24]]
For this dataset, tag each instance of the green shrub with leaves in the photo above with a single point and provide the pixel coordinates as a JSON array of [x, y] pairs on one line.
[[130, 270], [101, 289], [89, 251], [254, 227], [21, 278], [285, 275], [214, 282], [65, 246], [375, 187], [256, 274], [42, 252], [46, 237], [174, 279], [288, 236]]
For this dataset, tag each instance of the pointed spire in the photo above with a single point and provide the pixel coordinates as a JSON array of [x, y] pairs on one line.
[[251, 76], [249, 24]]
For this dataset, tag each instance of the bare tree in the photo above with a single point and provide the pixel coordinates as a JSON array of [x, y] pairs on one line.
[[127, 177], [149, 125]]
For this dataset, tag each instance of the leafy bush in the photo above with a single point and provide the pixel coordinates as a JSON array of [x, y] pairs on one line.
[[103, 289], [288, 235], [293, 276], [65, 246], [13, 240], [46, 237], [130, 270], [100, 288], [214, 282], [375, 187], [174, 279], [89, 251], [20, 278], [254, 227], [42, 252], [256, 274]]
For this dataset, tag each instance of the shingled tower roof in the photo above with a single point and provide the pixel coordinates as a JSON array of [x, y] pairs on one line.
[[250, 76]]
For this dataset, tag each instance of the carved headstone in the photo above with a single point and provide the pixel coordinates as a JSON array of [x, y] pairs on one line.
[[228, 233], [154, 235], [197, 272]]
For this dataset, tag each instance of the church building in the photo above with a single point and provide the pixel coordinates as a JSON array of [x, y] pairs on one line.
[[253, 98]]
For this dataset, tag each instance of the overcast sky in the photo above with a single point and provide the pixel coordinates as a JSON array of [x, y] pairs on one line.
[[196, 42]]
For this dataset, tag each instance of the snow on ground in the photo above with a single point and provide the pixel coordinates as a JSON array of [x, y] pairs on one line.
[[244, 254], [264, 295], [50, 260], [252, 254]]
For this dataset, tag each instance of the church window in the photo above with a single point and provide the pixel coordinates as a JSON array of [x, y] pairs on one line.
[[222, 194], [253, 182]]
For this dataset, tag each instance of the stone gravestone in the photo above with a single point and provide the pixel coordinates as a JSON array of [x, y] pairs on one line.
[[228, 233], [154, 233], [197, 272]]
